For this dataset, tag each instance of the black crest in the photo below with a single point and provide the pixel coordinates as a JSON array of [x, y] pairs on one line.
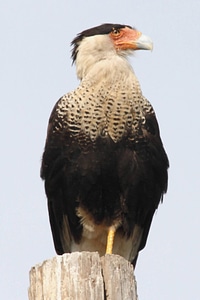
[[102, 29]]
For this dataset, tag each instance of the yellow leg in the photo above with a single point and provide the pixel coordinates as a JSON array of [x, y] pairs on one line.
[[110, 240]]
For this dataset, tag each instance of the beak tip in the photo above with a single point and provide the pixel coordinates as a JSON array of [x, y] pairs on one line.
[[144, 43]]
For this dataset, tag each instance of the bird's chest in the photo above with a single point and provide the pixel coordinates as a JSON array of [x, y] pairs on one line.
[[88, 117]]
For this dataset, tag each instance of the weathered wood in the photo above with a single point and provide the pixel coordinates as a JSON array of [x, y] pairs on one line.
[[119, 278], [83, 276]]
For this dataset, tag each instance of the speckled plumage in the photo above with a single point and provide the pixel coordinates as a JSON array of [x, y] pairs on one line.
[[104, 163], [90, 112]]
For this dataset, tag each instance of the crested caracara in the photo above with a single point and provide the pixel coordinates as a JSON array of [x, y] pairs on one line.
[[104, 165]]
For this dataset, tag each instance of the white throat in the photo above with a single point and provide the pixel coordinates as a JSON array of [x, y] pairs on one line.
[[98, 60]]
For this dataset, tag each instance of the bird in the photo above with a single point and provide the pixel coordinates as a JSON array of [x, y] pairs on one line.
[[104, 166]]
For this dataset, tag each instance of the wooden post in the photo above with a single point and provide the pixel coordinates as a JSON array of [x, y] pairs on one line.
[[83, 276]]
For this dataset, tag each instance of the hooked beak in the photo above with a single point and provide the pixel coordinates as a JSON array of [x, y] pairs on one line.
[[143, 43]]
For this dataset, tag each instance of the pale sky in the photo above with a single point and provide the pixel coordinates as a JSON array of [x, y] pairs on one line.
[[35, 70]]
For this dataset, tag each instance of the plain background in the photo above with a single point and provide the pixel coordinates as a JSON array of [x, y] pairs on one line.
[[35, 70]]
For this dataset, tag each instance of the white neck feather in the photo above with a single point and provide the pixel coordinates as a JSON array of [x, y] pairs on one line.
[[97, 60]]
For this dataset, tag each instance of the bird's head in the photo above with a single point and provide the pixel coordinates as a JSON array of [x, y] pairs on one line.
[[105, 42]]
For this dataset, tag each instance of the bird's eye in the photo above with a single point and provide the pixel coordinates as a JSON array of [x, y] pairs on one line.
[[115, 31]]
